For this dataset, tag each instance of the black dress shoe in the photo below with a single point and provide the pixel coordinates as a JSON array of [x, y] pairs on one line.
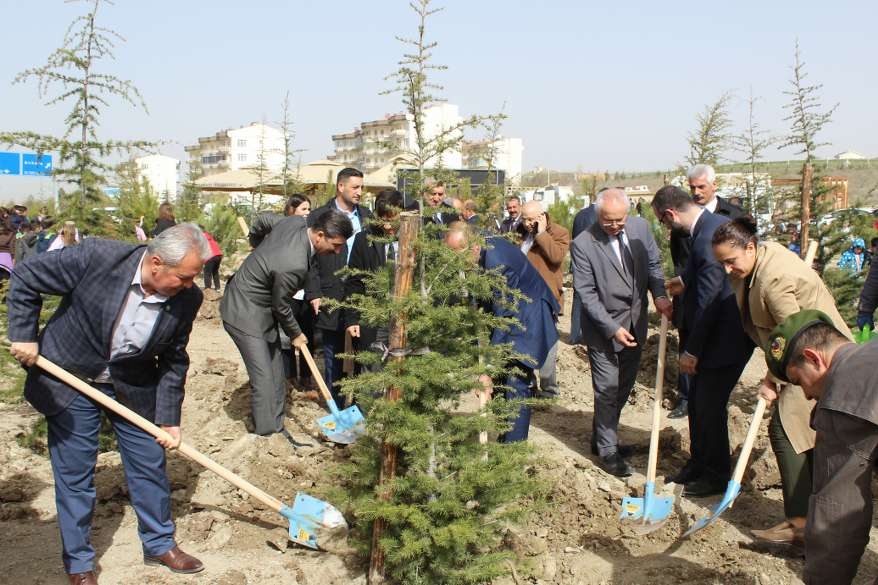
[[681, 410], [687, 474], [615, 465], [701, 488]]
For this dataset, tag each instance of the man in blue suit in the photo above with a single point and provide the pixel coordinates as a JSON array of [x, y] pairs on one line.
[[536, 314], [123, 326], [715, 348]]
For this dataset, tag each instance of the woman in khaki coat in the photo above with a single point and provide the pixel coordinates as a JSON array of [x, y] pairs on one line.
[[771, 283]]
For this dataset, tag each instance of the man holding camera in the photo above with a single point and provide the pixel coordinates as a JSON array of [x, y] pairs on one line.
[[545, 244]]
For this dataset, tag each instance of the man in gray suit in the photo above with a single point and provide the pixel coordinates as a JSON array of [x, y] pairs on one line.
[[616, 261], [257, 300]]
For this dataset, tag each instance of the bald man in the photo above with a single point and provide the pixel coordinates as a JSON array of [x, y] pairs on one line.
[[546, 244], [616, 262]]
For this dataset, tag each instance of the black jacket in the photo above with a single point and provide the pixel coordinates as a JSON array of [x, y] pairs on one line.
[[323, 280], [369, 256]]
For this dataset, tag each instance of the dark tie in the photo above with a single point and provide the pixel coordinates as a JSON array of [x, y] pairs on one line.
[[625, 253]]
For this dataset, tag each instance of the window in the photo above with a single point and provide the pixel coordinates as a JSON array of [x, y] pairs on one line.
[[242, 143], [242, 156]]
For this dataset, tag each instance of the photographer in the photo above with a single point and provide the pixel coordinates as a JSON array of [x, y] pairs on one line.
[[545, 244]]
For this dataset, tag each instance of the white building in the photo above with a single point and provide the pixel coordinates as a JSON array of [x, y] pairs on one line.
[[373, 144], [850, 155], [507, 156], [241, 148], [160, 172]]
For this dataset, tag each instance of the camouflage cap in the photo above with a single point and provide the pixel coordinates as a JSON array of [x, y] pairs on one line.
[[782, 338]]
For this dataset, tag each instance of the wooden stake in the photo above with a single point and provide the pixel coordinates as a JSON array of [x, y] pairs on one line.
[[807, 188], [409, 226]]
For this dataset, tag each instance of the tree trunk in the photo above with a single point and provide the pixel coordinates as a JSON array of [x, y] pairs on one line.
[[410, 225], [807, 189]]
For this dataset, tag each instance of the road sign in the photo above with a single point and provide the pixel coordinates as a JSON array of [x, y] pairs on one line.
[[36, 164], [10, 163]]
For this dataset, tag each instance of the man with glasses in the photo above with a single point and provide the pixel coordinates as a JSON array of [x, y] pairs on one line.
[[616, 261], [713, 346]]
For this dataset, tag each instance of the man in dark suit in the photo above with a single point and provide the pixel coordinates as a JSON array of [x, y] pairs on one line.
[[702, 185], [258, 299], [513, 215], [536, 314], [323, 280], [123, 325], [715, 349], [616, 263], [369, 255]]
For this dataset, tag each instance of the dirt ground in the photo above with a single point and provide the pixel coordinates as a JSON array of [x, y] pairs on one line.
[[577, 539]]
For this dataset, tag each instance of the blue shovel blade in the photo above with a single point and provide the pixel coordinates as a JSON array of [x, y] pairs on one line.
[[309, 517], [344, 426], [650, 507], [732, 491]]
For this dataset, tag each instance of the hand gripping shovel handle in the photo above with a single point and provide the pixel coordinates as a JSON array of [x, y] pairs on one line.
[[315, 373], [155, 431], [657, 407]]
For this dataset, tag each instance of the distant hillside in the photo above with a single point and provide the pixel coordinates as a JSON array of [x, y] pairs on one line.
[[862, 176]]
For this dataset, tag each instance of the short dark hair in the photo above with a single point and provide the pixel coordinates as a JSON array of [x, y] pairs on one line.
[[295, 200], [346, 173], [388, 202], [671, 197], [516, 197], [819, 336], [874, 242], [333, 223], [736, 233]]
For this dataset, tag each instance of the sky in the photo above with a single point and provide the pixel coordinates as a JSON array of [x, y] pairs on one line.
[[586, 85]]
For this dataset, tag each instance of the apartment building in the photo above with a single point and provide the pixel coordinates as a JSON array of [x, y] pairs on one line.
[[161, 172], [239, 148], [373, 144]]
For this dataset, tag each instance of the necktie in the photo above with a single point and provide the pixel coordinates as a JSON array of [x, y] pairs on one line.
[[625, 253]]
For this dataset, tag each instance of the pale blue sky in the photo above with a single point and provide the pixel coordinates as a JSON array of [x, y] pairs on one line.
[[610, 85]]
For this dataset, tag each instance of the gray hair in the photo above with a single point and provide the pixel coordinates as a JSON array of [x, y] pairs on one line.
[[611, 195], [702, 171], [173, 244]]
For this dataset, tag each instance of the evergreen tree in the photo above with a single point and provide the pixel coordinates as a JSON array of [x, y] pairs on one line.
[[807, 120], [72, 68], [711, 138], [752, 143], [291, 183], [429, 499]]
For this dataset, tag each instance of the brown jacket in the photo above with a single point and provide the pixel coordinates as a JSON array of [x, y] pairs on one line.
[[547, 256], [780, 285]]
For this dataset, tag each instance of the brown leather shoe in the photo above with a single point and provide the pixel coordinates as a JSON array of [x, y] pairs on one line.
[[783, 533], [176, 560], [87, 578]]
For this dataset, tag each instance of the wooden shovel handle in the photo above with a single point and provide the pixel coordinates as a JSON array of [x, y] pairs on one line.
[[158, 433], [744, 457], [657, 407], [243, 224], [315, 373]]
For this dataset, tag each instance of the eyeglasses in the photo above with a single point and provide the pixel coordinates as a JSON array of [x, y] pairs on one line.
[[615, 223]]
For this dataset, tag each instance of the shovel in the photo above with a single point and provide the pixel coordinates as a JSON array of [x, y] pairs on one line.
[[651, 508], [340, 426], [734, 487], [310, 519]]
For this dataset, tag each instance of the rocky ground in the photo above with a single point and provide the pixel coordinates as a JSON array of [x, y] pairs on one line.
[[577, 539]]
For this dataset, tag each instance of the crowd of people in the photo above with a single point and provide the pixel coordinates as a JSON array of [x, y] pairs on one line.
[[129, 310]]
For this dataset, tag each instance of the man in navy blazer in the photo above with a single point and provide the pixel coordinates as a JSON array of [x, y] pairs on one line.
[[536, 314], [714, 348], [123, 325]]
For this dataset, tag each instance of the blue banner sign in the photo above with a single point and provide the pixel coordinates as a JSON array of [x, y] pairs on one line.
[[10, 163], [36, 164]]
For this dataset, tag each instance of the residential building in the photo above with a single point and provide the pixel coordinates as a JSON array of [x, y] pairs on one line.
[[240, 148], [506, 156], [374, 144], [160, 172]]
